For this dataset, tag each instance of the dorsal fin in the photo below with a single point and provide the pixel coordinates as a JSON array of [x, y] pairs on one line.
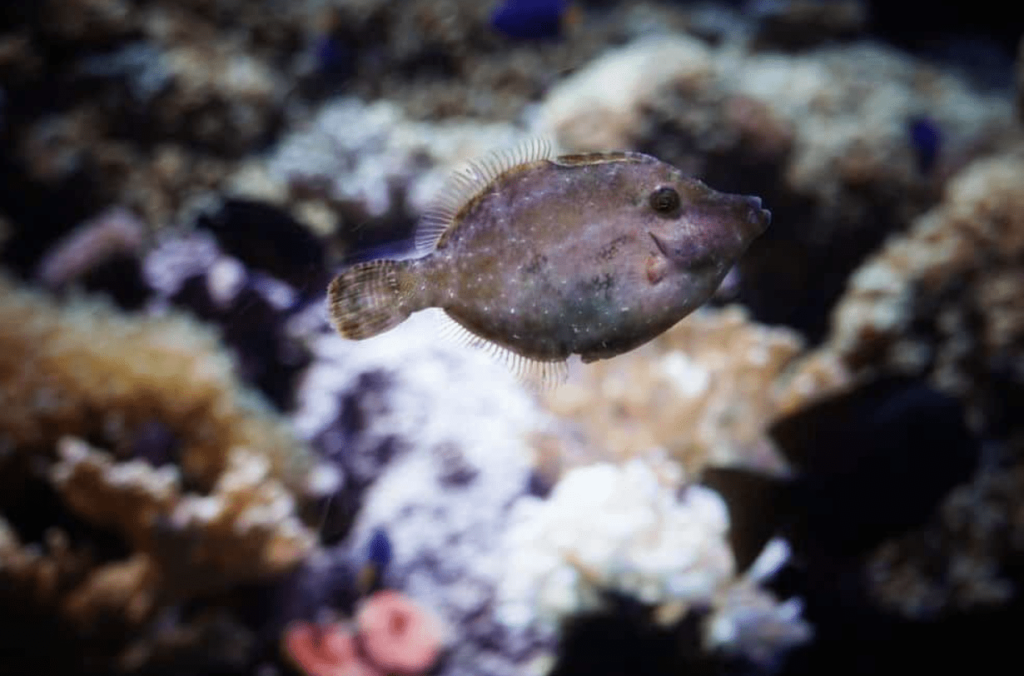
[[580, 159], [467, 183]]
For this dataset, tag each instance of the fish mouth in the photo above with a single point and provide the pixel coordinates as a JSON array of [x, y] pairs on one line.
[[757, 218]]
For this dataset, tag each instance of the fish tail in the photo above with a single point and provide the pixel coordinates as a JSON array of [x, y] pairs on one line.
[[370, 298]]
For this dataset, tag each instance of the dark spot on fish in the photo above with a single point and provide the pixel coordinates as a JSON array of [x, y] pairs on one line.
[[609, 252], [535, 264], [603, 284]]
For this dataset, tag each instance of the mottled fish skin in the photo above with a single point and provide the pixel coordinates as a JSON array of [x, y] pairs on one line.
[[581, 254]]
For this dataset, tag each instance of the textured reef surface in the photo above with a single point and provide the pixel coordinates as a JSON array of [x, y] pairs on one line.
[[822, 471]]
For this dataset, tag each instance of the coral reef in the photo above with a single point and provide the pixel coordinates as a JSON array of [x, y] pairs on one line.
[[943, 301], [245, 529], [647, 545], [435, 443], [86, 370], [398, 635], [325, 650], [194, 496], [221, 158], [391, 170], [393, 635], [705, 392]]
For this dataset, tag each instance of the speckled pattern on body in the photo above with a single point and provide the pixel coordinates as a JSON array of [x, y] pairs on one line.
[[543, 257]]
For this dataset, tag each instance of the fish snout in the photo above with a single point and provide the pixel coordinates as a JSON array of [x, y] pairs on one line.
[[757, 219]]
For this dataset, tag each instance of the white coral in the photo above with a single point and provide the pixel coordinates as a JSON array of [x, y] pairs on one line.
[[612, 528]]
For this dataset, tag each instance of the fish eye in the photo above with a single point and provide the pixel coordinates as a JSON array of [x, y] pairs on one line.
[[665, 200]]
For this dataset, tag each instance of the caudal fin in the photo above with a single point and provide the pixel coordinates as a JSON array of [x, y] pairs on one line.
[[368, 299]]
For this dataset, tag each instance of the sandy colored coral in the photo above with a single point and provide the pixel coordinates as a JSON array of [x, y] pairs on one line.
[[586, 114], [705, 391], [946, 301], [946, 298], [86, 370], [244, 530]]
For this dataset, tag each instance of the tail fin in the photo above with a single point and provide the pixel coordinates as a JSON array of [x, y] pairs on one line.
[[368, 299]]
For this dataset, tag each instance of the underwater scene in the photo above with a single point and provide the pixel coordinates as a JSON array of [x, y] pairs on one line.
[[511, 337]]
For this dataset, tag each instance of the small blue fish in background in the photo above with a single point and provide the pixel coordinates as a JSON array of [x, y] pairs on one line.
[[332, 56], [926, 140], [533, 19], [378, 558]]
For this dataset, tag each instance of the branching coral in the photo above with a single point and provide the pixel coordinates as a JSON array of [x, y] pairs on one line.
[[196, 495], [607, 529], [86, 370], [244, 530]]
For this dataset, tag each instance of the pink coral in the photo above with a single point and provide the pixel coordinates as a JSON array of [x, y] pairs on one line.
[[325, 650], [398, 635]]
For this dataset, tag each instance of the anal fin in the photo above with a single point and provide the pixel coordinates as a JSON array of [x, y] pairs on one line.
[[536, 374]]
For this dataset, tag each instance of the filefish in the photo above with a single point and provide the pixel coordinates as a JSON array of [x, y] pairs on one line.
[[539, 258]]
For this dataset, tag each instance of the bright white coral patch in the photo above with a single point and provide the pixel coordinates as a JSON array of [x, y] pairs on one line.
[[612, 528]]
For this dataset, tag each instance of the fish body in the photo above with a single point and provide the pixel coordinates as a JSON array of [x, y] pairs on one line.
[[545, 257], [530, 19]]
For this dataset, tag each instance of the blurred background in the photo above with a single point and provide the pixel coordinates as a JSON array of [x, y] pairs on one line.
[[820, 470]]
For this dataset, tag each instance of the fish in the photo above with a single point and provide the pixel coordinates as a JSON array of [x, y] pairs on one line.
[[533, 19], [539, 258], [926, 142]]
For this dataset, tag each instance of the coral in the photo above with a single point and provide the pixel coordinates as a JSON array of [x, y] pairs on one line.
[[943, 301], [616, 529], [622, 530], [945, 298], [585, 114], [398, 635], [705, 392], [126, 552], [393, 635], [748, 620], [325, 650], [250, 307], [113, 233], [434, 441], [961, 561], [86, 370], [374, 162], [180, 546], [797, 24], [244, 530]]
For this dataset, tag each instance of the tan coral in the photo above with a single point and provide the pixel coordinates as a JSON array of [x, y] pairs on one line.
[[705, 391], [945, 301], [914, 306], [89, 371], [246, 529]]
